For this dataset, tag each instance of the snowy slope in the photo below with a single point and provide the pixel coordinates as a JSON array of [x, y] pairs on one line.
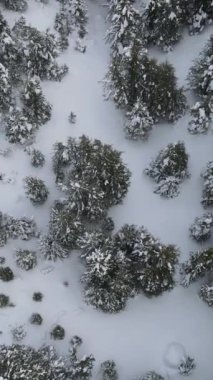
[[137, 338]]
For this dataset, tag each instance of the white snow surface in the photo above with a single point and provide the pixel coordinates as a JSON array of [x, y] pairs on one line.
[[138, 337]]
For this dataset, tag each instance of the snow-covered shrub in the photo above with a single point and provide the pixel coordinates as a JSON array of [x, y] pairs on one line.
[[23, 228], [97, 178], [163, 23], [200, 230], [139, 122], [58, 333], [37, 296], [200, 122], [186, 366], [23, 362], [36, 319], [207, 175], [109, 371], [206, 293], [152, 376], [18, 128], [36, 190], [169, 169], [36, 108], [26, 259], [51, 250], [18, 333], [65, 226], [37, 158], [198, 265], [5, 89], [4, 301], [135, 77], [17, 5], [6, 274]]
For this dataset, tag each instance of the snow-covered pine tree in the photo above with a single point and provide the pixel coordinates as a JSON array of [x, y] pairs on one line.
[[163, 23], [196, 14], [18, 128], [201, 117], [207, 175], [136, 76], [200, 230], [37, 158], [36, 190], [139, 122], [169, 169], [17, 5], [80, 368], [199, 264], [63, 25], [26, 259], [5, 89], [109, 370], [206, 293], [152, 376], [78, 14], [36, 108], [65, 226], [126, 25], [186, 366], [51, 250]]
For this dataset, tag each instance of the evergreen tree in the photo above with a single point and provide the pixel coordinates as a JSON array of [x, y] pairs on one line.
[[139, 122], [17, 5], [109, 371], [63, 25], [201, 117], [196, 14], [186, 366], [152, 376], [80, 368], [169, 169], [207, 175], [51, 250], [200, 230], [5, 89], [36, 190], [26, 259], [36, 108], [199, 264], [78, 13], [206, 293], [126, 25], [65, 226], [163, 23], [37, 158], [18, 128]]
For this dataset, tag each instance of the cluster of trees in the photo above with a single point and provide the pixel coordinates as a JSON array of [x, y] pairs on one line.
[[165, 20], [169, 169], [72, 16], [27, 56], [122, 265], [145, 89], [200, 80]]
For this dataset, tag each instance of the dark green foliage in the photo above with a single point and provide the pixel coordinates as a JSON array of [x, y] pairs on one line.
[[169, 169], [79, 17], [6, 274], [15, 5], [63, 25], [5, 89], [37, 158], [139, 122], [37, 296], [199, 264], [58, 333], [107, 225], [135, 77], [36, 108], [97, 179], [36, 319], [200, 230], [163, 23], [207, 175], [36, 190], [52, 250], [4, 301], [26, 259], [109, 371]]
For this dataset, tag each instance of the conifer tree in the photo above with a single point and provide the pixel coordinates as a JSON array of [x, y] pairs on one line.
[[18, 128], [36, 190], [17, 5], [5, 89], [207, 175]]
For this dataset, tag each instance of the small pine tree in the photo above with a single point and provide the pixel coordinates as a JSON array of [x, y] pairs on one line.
[[18, 128], [26, 259], [169, 169], [36, 190], [52, 250], [78, 13], [200, 230], [80, 368], [17, 6], [36, 108], [197, 266], [206, 293], [5, 89], [201, 117], [109, 371], [207, 175], [63, 26], [153, 376], [186, 366], [37, 158]]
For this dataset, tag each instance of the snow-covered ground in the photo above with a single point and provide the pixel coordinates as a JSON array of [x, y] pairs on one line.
[[137, 338]]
